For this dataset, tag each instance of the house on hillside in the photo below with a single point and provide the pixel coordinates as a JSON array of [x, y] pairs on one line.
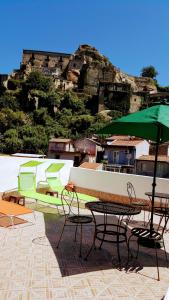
[[145, 165], [121, 154], [91, 149], [82, 150], [63, 149], [163, 149]]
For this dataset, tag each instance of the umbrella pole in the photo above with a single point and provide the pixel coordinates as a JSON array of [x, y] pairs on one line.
[[154, 180]]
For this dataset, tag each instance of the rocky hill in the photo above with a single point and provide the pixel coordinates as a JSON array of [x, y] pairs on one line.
[[88, 71]]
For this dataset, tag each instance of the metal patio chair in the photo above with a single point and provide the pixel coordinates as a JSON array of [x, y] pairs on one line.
[[149, 239], [133, 200], [72, 216]]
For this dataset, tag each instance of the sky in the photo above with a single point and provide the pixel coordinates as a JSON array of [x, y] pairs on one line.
[[132, 33]]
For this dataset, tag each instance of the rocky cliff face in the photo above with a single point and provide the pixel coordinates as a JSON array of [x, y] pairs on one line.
[[91, 68]]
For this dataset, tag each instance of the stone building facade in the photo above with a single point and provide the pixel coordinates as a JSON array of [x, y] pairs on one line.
[[51, 63]]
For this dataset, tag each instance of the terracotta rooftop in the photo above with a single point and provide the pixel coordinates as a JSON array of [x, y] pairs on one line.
[[88, 165], [55, 140], [118, 137], [163, 158], [129, 143]]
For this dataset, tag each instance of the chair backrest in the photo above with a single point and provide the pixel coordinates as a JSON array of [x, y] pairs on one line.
[[54, 182], [54, 170], [26, 181], [70, 202], [131, 192]]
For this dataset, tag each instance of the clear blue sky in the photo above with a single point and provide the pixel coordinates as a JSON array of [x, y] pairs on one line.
[[131, 33]]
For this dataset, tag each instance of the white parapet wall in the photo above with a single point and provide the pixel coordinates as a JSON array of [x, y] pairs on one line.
[[115, 183]]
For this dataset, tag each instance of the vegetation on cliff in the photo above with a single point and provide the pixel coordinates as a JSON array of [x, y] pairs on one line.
[[32, 112], [149, 71]]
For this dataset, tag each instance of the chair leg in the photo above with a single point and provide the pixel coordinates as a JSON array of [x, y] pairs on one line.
[[127, 246], [61, 235], [80, 251], [144, 217], [129, 251], [161, 218], [138, 247], [75, 233], [118, 251], [105, 221], [92, 246], [157, 263], [165, 253]]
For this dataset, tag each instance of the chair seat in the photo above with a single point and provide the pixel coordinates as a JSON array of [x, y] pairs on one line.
[[145, 234], [162, 211], [80, 219]]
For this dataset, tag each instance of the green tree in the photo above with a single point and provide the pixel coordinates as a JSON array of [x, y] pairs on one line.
[[71, 101], [40, 116], [9, 101], [11, 141], [36, 141], [98, 122], [2, 89], [37, 81], [36, 91], [79, 125], [10, 119], [149, 71]]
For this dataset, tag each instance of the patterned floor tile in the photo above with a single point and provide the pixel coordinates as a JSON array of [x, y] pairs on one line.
[[32, 268]]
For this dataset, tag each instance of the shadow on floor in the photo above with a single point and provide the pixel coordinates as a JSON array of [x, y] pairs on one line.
[[67, 254]]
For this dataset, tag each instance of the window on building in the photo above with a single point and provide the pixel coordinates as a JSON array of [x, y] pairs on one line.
[[115, 155]]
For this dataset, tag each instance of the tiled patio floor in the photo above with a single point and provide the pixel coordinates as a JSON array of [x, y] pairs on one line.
[[34, 269]]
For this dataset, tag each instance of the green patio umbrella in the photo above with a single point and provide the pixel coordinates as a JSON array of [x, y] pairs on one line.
[[152, 124]]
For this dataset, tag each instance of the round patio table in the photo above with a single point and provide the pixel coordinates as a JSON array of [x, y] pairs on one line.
[[110, 232]]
